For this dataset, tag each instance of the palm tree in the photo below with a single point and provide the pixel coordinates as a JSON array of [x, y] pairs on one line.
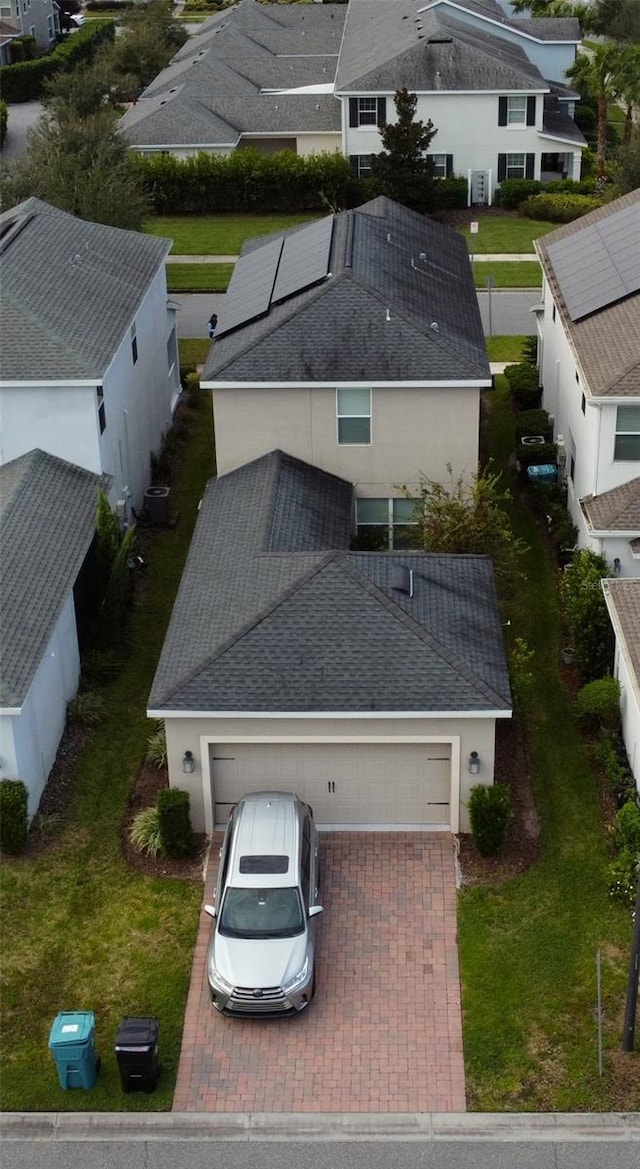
[[596, 73], [628, 78]]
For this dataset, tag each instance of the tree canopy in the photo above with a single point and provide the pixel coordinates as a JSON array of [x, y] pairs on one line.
[[402, 169]]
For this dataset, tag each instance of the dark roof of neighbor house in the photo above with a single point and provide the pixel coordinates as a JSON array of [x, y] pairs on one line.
[[540, 28], [70, 290], [607, 342], [623, 602], [557, 124], [398, 303], [617, 510], [390, 45], [274, 613], [47, 523]]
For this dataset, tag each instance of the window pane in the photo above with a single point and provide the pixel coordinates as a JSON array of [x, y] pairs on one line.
[[627, 447], [372, 511], [372, 538], [354, 401], [406, 536], [628, 418], [404, 511], [354, 430]]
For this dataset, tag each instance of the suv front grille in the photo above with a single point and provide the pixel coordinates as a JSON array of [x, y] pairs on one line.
[[270, 999]]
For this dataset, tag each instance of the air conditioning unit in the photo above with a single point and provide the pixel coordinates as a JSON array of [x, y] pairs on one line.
[[533, 440]]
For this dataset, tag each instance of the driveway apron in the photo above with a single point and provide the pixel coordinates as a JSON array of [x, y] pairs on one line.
[[384, 1031]]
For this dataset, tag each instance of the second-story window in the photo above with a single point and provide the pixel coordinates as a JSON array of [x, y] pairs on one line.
[[627, 443], [367, 111], [354, 416], [516, 111]]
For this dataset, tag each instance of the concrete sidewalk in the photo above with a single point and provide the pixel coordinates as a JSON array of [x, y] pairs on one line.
[[499, 257]]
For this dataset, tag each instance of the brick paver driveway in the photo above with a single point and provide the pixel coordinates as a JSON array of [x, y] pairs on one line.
[[384, 1031]]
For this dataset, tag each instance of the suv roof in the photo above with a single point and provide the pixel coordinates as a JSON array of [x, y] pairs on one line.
[[266, 834]]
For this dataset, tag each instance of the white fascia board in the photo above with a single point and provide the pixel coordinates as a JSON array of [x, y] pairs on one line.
[[609, 400], [10, 710], [440, 385], [149, 148], [531, 89], [51, 383], [559, 138], [371, 715], [526, 36], [610, 533]]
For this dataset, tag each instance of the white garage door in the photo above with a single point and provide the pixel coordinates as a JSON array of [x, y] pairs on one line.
[[345, 783]]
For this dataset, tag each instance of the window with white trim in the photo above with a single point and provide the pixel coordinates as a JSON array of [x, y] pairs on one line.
[[363, 166], [627, 444], [6, 11], [387, 523], [515, 166], [353, 408], [367, 111], [439, 165], [517, 110]]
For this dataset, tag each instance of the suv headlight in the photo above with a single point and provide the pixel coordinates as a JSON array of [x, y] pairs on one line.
[[216, 980], [298, 978]]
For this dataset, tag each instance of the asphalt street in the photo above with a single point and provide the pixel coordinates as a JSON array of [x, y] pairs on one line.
[[510, 311]]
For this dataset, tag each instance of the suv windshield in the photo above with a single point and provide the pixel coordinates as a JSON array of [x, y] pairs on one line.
[[261, 913]]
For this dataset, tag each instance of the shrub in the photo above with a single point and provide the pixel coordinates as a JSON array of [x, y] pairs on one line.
[[144, 833], [599, 702], [490, 812], [626, 828], [3, 123], [531, 456], [562, 530], [524, 385], [86, 709], [559, 208], [534, 422], [191, 388], [513, 192], [586, 612], [570, 187], [530, 349], [614, 764], [156, 752], [174, 821], [623, 877], [14, 815], [450, 194], [25, 81]]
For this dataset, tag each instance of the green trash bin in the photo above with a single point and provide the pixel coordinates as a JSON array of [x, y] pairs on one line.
[[71, 1044]]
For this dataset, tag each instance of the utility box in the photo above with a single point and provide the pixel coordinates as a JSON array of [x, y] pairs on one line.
[[136, 1051], [156, 502], [71, 1044]]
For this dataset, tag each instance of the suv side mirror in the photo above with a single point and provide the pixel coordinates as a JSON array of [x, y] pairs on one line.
[[315, 910], [211, 910]]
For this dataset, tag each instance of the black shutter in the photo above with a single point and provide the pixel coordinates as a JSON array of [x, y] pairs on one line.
[[382, 110], [353, 163], [353, 111], [502, 167], [529, 166], [531, 111], [502, 111], [449, 165]]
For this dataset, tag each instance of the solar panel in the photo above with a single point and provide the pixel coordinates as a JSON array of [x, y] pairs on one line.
[[251, 286], [600, 264], [305, 259]]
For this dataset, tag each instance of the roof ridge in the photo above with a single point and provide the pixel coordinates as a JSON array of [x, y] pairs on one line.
[[346, 561]]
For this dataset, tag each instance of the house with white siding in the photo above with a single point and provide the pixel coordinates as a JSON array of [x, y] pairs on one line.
[[623, 603]]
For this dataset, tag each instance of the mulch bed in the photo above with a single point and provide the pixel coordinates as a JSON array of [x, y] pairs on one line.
[[150, 780]]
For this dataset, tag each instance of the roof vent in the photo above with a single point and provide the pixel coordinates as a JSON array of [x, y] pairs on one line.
[[402, 579], [388, 316], [435, 326]]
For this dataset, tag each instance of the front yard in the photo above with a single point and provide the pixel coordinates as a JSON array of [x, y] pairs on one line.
[[218, 235]]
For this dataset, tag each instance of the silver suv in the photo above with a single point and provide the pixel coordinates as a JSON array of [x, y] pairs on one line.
[[262, 949]]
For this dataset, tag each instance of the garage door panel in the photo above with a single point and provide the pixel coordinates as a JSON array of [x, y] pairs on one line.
[[345, 783]]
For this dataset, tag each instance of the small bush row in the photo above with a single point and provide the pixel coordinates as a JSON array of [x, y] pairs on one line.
[[624, 871], [166, 827], [14, 815], [25, 80], [3, 122], [513, 192], [558, 208], [490, 813], [524, 385]]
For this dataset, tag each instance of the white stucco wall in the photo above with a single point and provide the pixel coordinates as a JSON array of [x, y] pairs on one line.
[[194, 734], [29, 741], [629, 711], [57, 418], [414, 431]]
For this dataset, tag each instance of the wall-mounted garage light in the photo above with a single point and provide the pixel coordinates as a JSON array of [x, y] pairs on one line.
[[474, 763], [188, 763]]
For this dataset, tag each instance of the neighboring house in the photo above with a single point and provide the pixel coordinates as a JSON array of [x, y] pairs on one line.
[[281, 77], [47, 524], [354, 343], [36, 18], [623, 603], [89, 364], [589, 358], [364, 681]]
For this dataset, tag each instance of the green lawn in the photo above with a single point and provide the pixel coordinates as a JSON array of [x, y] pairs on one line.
[[528, 947], [505, 348], [198, 277], [194, 350], [498, 233], [80, 929], [508, 274], [217, 235]]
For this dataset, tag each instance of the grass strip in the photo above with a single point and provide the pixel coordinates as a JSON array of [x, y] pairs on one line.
[[508, 274], [218, 235], [505, 347], [499, 234], [198, 277]]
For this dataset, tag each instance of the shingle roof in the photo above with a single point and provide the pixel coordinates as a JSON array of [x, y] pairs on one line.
[[617, 510], [394, 276], [606, 343], [390, 45], [47, 522], [275, 614], [623, 601], [542, 28], [70, 290], [557, 124]]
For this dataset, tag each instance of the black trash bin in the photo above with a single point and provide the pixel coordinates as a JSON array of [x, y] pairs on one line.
[[136, 1050]]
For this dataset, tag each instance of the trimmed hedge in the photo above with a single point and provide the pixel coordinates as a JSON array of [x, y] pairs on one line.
[[533, 456], [559, 208], [25, 81], [534, 422], [14, 815], [174, 821], [524, 385], [490, 813], [512, 192], [450, 194], [3, 122]]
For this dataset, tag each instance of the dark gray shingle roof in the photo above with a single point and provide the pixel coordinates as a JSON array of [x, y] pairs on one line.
[[70, 290], [372, 318], [267, 619], [47, 522]]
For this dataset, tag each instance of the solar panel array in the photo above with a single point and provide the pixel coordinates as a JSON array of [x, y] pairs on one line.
[[278, 269], [600, 264]]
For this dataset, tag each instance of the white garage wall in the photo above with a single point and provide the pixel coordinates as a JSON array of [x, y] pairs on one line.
[[194, 734]]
